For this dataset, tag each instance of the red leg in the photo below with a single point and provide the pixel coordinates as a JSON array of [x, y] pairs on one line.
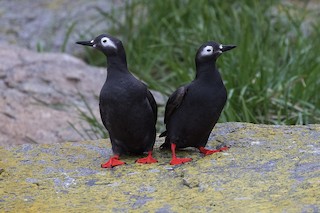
[[210, 152], [175, 160], [112, 162], [148, 159]]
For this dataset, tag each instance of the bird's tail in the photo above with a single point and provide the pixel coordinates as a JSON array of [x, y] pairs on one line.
[[166, 144], [163, 134]]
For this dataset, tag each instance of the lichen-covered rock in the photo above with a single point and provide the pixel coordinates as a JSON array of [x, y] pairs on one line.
[[267, 169]]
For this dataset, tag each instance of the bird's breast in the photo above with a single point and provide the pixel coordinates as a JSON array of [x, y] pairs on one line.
[[123, 94], [207, 95]]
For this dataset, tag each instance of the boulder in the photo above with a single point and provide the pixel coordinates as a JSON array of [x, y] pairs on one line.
[[40, 95]]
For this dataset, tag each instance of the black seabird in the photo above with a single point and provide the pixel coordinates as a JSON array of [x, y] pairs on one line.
[[193, 110], [127, 108]]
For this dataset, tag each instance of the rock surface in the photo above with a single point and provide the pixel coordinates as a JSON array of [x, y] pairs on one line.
[[39, 95], [267, 169], [39, 92]]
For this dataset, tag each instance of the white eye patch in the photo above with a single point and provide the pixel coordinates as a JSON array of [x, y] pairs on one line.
[[106, 42], [208, 50]]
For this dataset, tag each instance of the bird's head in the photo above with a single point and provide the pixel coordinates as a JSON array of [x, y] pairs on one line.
[[110, 46], [211, 50]]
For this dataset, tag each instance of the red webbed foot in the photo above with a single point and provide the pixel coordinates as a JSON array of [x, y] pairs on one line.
[[112, 162], [149, 159], [177, 161], [210, 152]]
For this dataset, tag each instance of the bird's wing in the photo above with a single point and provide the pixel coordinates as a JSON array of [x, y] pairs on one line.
[[174, 102], [153, 105]]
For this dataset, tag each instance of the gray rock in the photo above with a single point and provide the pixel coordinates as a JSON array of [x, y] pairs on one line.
[[39, 95]]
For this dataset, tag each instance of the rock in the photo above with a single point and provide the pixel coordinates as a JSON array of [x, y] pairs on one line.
[[39, 95], [267, 168]]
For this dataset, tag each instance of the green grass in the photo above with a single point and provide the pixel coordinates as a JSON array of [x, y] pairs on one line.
[[273, 75]]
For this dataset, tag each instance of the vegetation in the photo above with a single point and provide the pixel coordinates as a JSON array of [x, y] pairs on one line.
[[273, 75]]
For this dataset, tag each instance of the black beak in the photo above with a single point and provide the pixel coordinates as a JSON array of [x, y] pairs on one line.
[[227, 47], [85, 43]]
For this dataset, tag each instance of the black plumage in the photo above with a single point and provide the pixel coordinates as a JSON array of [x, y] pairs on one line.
[[127, 108], [193, 110]]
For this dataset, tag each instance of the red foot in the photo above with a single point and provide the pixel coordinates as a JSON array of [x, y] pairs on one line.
[[210, 152], [148, 159], [112, 162], [224, 148], [177, 161]]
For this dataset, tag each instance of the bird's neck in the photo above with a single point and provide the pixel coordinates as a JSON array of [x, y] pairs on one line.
[[117, 63], [208, 72]]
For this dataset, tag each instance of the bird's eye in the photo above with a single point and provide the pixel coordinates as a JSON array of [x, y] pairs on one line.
[[108, 43], [207, 51]]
